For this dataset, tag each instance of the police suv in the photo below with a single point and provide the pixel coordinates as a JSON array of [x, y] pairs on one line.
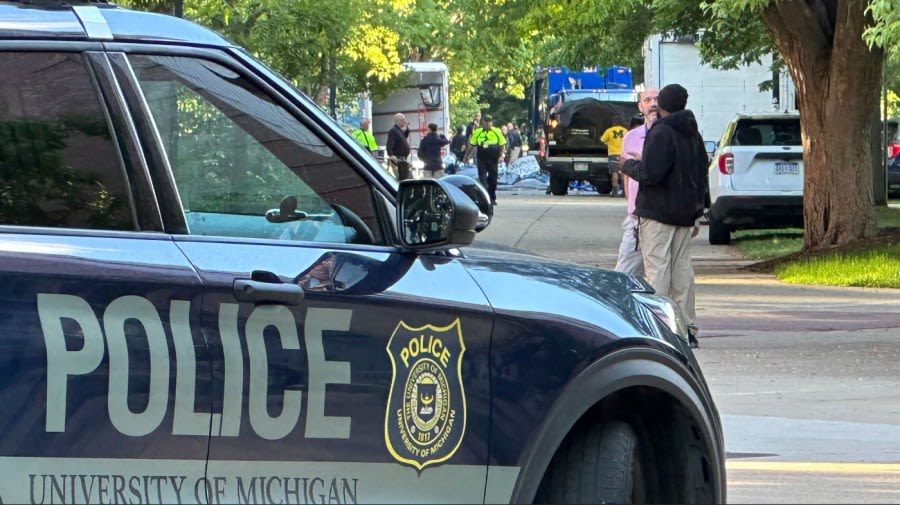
[[212, 294]]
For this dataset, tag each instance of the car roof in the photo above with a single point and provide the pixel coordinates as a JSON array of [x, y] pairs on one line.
[[97, 20], [766, 115]]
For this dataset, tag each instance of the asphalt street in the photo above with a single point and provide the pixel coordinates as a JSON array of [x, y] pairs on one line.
[[805, 377]]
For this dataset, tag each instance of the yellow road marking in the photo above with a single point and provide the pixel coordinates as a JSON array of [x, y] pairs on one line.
[[812, 467]]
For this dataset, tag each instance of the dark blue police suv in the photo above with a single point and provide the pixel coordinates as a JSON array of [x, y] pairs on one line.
[[211, 294]]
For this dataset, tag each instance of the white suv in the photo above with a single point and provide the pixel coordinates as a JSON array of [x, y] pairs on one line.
[[756, 175]]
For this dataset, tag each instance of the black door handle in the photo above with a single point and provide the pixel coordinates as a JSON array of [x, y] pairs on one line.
[[265, 287]]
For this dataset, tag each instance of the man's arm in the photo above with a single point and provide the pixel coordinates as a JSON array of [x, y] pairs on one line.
[[657, 159]]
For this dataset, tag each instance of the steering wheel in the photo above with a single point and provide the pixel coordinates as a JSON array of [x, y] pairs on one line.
[[348, 217]]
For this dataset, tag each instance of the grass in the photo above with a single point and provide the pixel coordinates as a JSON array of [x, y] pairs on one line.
[[872, 263], [868, 269]]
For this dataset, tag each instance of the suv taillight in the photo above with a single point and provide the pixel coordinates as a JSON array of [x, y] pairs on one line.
[[726, 163], [893, 149]]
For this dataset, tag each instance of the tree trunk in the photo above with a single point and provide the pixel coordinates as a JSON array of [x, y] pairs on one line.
[[838, 81]]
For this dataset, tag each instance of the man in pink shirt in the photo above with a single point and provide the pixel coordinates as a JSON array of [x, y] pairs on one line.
[[630, 259]]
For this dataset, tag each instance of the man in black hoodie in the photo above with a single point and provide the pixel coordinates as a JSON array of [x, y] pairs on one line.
[[672, 173]]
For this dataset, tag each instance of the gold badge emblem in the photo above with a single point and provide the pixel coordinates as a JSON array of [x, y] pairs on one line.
[[426, 412]]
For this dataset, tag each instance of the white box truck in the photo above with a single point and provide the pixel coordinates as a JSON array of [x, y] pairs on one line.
[[715, 96], [425, 99]]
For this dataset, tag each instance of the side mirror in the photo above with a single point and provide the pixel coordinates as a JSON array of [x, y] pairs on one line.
[[434, 214], [474, 190]]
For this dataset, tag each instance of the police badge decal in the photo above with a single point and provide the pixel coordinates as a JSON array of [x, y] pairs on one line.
[[425, 418]]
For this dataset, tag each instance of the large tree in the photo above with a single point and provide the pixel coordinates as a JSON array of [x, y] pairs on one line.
[[838, 80]]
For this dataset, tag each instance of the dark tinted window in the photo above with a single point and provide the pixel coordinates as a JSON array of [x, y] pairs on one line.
[[767, 132], [244, 166], [58, 164]]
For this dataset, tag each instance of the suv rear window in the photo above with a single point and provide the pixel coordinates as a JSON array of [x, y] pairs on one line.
[[767, 132]]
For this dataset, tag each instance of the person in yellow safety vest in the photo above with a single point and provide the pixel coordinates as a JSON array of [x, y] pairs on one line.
[[364, 137], [490, 143]]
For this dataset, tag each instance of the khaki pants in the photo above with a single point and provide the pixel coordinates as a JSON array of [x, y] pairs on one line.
[[630, 259], [666, 250]]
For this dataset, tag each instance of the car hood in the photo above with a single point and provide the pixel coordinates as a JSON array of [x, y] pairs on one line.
[[516, 281]]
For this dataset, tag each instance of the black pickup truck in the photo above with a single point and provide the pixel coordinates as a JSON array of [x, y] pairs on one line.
[[574, 150]]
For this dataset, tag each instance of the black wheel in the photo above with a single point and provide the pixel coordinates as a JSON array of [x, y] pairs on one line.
[[603, 186], [719, 232], [597, 463], [558, 185]]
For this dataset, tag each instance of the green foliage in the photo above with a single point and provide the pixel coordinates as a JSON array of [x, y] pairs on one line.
[[491, 47], [877, 265], [885, 32], [37, 187], [869, 269], [768, 244]]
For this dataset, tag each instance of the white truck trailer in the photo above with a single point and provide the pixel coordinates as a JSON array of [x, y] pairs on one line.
[[425, 99], [714, 95]]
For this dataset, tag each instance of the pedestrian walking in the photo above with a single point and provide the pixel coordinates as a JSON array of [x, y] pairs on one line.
[[489, 142]]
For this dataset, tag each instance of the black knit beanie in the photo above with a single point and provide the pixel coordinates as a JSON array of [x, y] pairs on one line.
[[672, 98]]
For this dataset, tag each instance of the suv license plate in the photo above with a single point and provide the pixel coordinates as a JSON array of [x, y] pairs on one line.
[[581, 167], [787, 168]]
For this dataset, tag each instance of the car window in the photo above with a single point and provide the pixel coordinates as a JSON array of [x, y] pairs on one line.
[[767, 132], [59, 166], [244, 166]]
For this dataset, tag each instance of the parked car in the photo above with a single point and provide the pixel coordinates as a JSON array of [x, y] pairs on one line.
[[893, 138], [893, 177], [212, 294], [756, 175]]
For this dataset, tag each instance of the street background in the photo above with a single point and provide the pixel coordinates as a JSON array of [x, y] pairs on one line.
[[806, 378]]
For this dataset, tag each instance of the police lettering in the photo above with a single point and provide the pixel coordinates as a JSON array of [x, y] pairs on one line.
[[425, 345], [65, 360]]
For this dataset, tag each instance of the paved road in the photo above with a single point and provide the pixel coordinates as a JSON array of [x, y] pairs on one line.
[[806, 378]]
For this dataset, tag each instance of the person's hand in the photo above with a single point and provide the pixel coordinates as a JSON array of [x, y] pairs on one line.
[[696, 230]]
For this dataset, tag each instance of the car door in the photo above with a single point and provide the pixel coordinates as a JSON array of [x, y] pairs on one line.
[[105, 376], [344, 369]]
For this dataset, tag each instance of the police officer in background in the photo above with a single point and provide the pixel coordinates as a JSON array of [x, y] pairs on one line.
[[489, 142], [398, 146], [364, 137]]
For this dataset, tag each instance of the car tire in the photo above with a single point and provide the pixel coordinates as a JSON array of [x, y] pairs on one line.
[[719, 232], [558, 185], [603, 186], [597, 463]]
